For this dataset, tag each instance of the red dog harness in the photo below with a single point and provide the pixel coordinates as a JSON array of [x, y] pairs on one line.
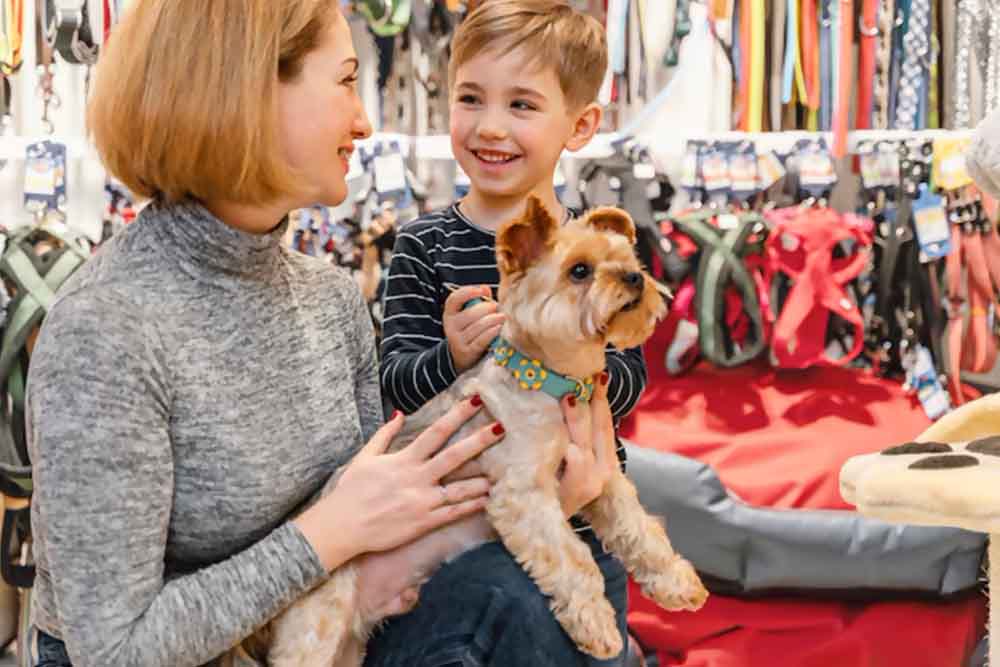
[[801, 246]]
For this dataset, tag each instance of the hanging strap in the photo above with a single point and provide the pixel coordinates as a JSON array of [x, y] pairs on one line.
[[826, 65], [882, 84], [916, 49], [867, 44], [809, 53], [845, 82], [779, 52], [744, 50], [963, 67], [11, 36], [758, 38]]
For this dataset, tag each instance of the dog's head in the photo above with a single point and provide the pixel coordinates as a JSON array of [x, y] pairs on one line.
[[563, 285]]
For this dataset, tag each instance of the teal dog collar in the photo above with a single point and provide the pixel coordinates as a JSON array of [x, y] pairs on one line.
[[532, 375]]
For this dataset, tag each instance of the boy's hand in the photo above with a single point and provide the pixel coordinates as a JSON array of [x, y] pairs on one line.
[[470, 332]]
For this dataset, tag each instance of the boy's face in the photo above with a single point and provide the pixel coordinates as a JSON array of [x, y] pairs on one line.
[[509, 123]]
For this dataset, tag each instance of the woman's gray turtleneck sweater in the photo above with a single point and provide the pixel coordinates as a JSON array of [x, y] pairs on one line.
[[191, 387]]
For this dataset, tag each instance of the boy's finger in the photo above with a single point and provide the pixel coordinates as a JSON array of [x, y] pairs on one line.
[[383, 437], [457, 299], [481, 343], [490, 323]]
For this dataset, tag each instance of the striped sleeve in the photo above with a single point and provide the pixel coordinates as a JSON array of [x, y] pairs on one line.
[[416, 363], [627, 371]]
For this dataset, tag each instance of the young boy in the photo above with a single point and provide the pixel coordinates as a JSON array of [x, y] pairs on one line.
[[524, 75]]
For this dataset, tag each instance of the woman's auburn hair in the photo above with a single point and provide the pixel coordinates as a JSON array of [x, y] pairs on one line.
[[185, 96]]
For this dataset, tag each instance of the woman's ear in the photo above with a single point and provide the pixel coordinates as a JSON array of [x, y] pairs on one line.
[[585, 126]]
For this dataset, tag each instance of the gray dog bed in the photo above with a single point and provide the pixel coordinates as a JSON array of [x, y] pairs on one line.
[[744, 550]]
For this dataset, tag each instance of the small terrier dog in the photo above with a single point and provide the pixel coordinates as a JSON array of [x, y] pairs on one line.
[[567, 290]]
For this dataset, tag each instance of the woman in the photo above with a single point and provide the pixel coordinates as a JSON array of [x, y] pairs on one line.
[[196, 382]]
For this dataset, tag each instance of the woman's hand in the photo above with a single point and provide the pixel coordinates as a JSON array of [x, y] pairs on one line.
[[590, 459], [384, 500]]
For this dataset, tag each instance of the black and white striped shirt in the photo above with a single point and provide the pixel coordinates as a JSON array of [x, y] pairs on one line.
[[435, 254]]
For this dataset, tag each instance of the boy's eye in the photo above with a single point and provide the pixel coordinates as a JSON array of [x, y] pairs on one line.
[[579, 272], [468, 99], [523, 106]]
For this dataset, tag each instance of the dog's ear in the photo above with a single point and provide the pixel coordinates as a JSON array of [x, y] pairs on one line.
[[523, 240], [611, 219]]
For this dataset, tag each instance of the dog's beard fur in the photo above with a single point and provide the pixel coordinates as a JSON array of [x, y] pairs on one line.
[[565, 319]]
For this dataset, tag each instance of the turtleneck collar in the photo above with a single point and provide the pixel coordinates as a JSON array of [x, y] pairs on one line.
[[190, 232]]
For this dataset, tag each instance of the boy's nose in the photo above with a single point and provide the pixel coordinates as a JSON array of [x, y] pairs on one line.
[[490, 127]]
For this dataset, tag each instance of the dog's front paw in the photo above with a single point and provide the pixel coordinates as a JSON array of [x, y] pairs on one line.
[[679, 588], [594, 629]]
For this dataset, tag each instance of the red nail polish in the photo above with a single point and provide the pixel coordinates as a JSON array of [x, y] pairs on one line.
[[571, 400], [476, 401], [395, 413], [498, 429], [604, 378]]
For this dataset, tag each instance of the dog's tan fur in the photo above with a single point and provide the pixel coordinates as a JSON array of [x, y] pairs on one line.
[[567, 324]]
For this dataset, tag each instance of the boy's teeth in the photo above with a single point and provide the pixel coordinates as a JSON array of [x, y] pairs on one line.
[[489, 156]]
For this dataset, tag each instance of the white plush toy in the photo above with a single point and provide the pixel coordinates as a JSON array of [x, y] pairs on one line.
[[950, 476]]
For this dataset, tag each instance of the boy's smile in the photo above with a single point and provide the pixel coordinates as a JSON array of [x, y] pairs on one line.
[[509, 125]]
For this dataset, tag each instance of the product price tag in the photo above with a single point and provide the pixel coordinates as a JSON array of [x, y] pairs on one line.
[[931, 223]]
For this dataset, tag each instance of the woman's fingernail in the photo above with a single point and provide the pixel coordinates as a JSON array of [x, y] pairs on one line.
[[476, 401], [604, 378], [571, 400], [395, 414], [498, 429]]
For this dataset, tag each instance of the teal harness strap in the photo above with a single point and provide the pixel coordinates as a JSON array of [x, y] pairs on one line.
[[532, 375]]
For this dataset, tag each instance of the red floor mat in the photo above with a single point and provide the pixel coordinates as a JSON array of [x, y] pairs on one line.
[[778, 439], [730, 632]]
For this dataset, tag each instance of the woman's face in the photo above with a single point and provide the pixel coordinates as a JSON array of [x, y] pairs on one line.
[[321, 115]]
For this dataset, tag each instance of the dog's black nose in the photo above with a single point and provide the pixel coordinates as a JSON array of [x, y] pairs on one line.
[[633, 279]]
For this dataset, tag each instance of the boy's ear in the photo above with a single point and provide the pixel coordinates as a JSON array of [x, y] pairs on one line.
[[588, 121], [611, 219], [523, 240]]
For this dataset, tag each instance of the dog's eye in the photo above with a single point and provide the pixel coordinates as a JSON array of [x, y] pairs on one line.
[[579, 272]]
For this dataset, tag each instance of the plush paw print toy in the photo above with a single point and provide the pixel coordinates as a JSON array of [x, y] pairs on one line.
[[949, 477]]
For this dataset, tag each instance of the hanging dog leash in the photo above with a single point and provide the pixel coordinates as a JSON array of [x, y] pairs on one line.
[[11, 36]]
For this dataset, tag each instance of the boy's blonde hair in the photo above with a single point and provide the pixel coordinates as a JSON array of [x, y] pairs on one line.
[[551, 32], [185, 101]]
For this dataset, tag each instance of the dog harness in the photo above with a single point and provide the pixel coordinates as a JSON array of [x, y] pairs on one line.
[[801, 246], [36, 279], [971, 347], [724, 301]]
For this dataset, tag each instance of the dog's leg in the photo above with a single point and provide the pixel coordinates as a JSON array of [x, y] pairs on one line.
[[531, 524], [641, 542], [315, 630]]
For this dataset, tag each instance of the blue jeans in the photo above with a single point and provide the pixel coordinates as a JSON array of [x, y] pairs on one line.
[[51, 652], [482, 610], [479, 610]]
